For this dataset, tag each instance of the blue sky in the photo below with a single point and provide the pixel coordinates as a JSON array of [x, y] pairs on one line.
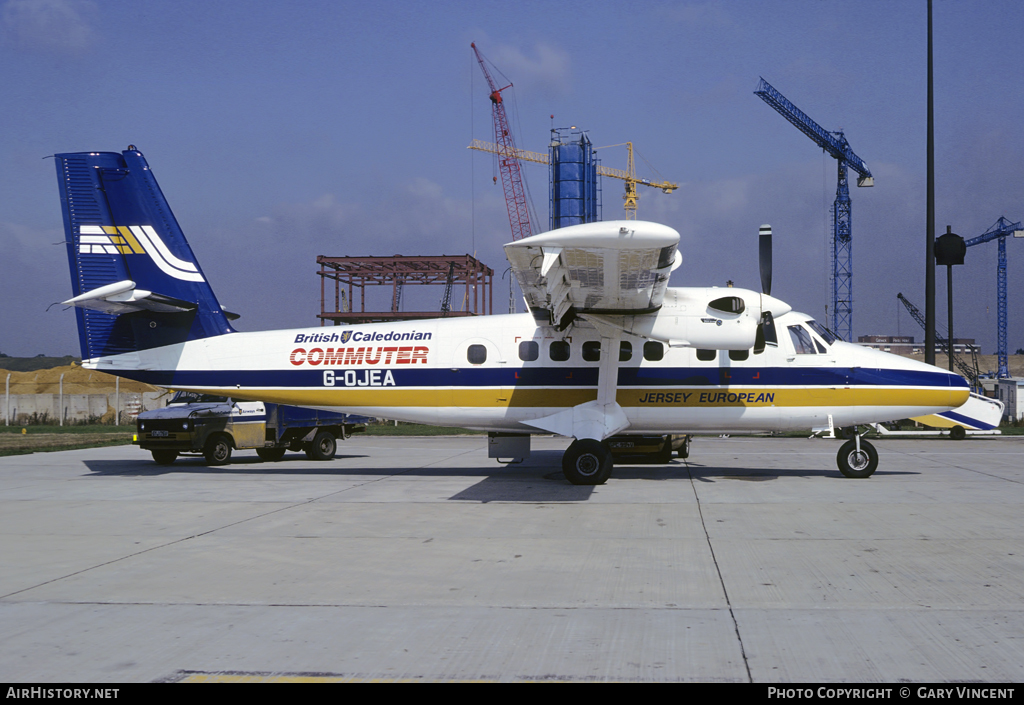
[[282, 131]]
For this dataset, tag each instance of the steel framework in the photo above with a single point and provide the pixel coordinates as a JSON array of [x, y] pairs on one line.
[[351, 273], [842, 234]]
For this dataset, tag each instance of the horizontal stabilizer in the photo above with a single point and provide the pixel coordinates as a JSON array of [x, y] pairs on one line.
[[123, 297], [978, 413]]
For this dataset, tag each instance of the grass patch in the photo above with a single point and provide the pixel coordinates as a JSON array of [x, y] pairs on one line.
[[69, 429], [18, 444]]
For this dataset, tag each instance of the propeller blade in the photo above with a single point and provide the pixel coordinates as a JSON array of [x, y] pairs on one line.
[[759, 339], [765, 258]]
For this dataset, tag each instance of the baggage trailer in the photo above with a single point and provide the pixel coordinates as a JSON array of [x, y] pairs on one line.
[[215, 426]]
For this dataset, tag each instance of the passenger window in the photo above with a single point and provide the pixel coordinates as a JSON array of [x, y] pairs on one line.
[[653, 351], [801, 340], [476, 354], [592, 351], [559, 351], [739, 355], [529, 350], [705, 355], [625, 351]]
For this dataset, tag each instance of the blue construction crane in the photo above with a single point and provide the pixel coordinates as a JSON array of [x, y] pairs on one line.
[[842, 252], [1000, 230]]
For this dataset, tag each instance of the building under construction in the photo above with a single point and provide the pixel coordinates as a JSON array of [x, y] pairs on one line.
[[467, 286]]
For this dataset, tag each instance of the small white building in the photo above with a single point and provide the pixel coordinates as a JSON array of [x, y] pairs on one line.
[[1011, 393]]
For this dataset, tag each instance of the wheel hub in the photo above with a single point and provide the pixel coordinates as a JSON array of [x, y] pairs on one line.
[[859, 460], [587, 465]]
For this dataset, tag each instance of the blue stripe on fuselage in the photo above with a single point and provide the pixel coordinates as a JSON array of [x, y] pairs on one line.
[[566, 377]]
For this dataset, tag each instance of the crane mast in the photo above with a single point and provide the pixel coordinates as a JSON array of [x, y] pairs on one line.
[[508, 159], [842, 234], [1000, 231]]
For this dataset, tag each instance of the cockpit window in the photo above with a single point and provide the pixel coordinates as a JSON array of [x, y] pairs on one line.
[[821, 330], [801, 340]]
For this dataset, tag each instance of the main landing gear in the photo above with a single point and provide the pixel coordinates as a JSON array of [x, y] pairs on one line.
[[587, 462]]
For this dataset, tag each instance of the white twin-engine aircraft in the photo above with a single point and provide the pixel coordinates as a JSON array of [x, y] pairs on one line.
[[607, 347]]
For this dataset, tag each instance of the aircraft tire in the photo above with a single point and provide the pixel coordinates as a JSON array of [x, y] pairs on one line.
[[271, 455], [587, 462], [218, 450], [857, 465], [323, 446], [958, 433], [164, 457]]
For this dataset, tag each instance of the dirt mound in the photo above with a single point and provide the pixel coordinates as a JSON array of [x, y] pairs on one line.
[[77, 380]]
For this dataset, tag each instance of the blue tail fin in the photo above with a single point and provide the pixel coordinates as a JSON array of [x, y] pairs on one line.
[[137, 284]]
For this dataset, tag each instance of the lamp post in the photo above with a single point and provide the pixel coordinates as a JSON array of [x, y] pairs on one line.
[[949, 250]]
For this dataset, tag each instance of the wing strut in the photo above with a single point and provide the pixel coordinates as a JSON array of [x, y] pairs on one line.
[[602, 417]]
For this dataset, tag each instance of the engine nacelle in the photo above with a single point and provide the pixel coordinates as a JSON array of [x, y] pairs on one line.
[[707, 318]]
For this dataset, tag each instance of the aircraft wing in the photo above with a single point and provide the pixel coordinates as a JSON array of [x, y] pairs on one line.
[[614, 267]]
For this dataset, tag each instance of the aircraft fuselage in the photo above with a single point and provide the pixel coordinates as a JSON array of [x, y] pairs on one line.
[[499, 373]]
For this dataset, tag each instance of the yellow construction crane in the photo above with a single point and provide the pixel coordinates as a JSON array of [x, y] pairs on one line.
[[628, 175]]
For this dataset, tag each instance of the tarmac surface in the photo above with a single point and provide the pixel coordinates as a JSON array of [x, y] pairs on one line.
[[421, 559]]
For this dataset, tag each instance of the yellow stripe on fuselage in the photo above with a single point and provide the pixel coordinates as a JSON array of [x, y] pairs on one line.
[[655, 397]]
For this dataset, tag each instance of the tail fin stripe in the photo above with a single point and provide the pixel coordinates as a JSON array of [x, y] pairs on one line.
[[167, 255], [143, 235]]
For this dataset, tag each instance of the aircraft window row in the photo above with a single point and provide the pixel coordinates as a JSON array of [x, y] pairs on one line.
[[559, 350], [653, 351]]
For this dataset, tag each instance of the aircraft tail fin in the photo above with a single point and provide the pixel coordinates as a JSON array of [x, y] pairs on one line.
[[136, 282]]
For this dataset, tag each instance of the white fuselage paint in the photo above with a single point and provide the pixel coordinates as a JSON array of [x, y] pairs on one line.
[[428, 377]]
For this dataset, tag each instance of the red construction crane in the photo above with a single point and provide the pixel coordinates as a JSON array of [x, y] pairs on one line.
[[508, 159]]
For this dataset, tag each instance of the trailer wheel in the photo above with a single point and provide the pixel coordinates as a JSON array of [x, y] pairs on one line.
[[164, 457], [323, 446], [664, 456], [218, 450], [684, 452], [271, 455]]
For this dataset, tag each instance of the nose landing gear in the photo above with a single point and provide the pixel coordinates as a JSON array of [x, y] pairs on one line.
[[857, 459]]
